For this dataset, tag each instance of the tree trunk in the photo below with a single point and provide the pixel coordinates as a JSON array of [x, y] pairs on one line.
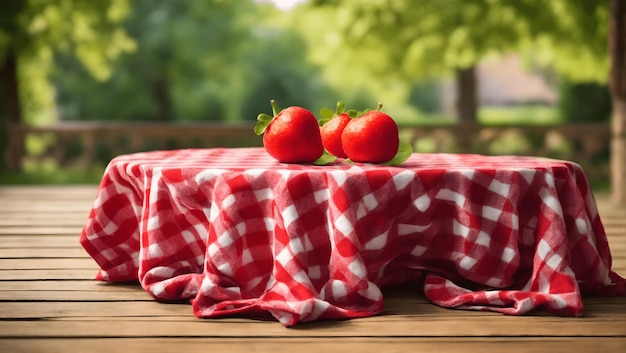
[[12, 146], [467, 104], [617, 83], [161, 96]]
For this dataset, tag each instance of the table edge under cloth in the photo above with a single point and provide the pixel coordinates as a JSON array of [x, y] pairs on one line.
[[237, 233]]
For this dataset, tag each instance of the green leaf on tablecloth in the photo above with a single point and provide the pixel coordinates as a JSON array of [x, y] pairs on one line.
[[326, 158], [404, 152]]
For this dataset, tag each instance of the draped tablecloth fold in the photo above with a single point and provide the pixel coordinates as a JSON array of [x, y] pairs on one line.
[[237, 233]]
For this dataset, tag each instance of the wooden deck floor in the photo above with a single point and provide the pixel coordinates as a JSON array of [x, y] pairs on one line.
[[49, 303]]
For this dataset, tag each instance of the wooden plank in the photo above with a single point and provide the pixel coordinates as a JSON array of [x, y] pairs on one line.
[[38, 221], [84, 191], [49, 263], [50, 303], [62, 205], [616, 221], [397, 302], [39, 241], [67, 305], [39, 310], [615, 239], [620, 270], [617, 232], [617, 248], [49, 296], [47, 274], [49, 192], [41, 230], [328, 344], [52, 263], [25, 253], [59, 194], [69, 285], [381, 326]]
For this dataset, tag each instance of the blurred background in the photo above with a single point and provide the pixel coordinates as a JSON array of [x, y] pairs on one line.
[[83, 81]]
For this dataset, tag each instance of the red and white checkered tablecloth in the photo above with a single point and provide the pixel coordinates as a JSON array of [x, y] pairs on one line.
[[237, 233]]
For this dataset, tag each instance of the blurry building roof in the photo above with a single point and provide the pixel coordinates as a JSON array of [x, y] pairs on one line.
[[505, 81]]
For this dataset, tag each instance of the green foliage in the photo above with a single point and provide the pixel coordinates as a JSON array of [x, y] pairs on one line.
[[371, 43], [36, 29], [585, 102], [405, 39], [223, 60], [276, 67], [226, 59], [196, 60], [163, 78], [409, 39], [572, 39], [425, 95]]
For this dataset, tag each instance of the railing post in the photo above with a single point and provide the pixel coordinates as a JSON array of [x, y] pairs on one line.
[[618, 162], [15, 147], [89, 143], [464, 139], [617, 84]]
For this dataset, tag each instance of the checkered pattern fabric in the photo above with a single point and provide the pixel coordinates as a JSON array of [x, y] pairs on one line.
[[237, 233]]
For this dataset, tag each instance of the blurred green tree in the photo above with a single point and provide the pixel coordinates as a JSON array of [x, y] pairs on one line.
[[277, 68], [585, 102], [195, 60], [409, 39], [31, 32], [173, 62]]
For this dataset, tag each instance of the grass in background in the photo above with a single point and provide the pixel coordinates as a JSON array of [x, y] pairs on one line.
[[522, 114], [48, 172], [509, 115]]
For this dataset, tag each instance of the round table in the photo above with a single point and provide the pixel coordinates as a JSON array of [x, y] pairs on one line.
[[237, 233]]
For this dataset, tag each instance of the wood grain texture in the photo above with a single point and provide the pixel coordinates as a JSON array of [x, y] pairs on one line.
[[328, 344], [49, 302]]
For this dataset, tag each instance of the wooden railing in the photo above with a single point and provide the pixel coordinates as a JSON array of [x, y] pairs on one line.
[[89, 142], [586, 144]]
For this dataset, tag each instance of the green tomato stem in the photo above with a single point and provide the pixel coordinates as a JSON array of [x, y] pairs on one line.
[[275, 109], [340, 108]]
